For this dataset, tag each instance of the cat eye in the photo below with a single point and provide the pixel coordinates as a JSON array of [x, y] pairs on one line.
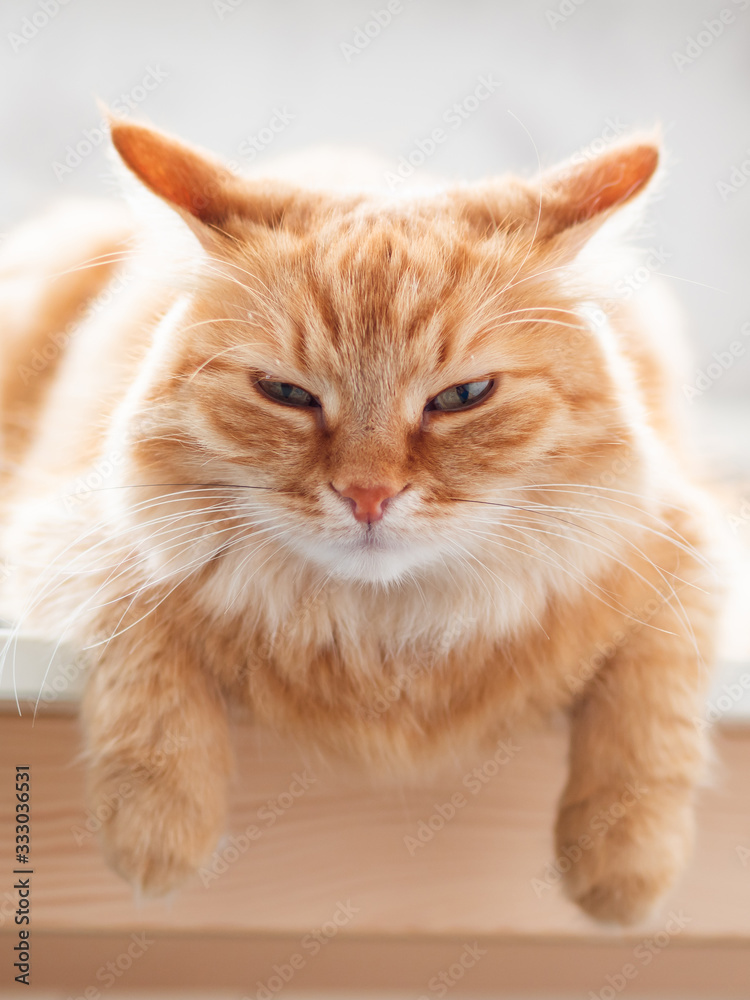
[[285, 392], [460, 397]]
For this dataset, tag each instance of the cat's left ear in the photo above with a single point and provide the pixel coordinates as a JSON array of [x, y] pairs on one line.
[[563, 208], [210, 198]]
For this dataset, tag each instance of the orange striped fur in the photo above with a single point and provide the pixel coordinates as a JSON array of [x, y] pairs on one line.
[[541, 551]]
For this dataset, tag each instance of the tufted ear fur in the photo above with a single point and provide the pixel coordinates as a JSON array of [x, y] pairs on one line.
[[588, 192], [210, 198], [565, 206]]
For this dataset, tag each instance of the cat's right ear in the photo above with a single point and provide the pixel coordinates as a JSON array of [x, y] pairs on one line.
[[211, 199]]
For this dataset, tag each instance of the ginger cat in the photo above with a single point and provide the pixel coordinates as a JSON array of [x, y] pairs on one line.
[[393, 471]]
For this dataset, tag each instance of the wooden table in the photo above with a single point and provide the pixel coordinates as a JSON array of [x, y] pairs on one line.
[[334, 894]]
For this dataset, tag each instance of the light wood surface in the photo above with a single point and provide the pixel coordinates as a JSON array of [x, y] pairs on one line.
[[341, 845]]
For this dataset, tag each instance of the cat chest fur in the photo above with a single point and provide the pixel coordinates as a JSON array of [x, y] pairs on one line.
[[377, 676]]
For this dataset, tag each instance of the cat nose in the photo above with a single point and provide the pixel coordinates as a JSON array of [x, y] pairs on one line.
[[368, 502]]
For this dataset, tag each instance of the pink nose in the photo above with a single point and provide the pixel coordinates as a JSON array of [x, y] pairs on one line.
[[368, 502]]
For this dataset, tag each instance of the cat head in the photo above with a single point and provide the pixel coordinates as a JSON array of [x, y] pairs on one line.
[[377, 382]]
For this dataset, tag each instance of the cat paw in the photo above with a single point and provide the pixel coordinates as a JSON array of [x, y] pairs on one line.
[[620, 857], [154, 837]]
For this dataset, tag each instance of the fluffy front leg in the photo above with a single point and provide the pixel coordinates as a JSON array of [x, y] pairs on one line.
[[157, 741], [625, 824]]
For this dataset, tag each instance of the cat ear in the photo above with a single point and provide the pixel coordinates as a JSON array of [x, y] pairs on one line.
[[208, 196], [578, 197], [563, 207]]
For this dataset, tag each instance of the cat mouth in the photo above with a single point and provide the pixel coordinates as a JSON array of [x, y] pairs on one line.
[[372, 540], [372, 554]]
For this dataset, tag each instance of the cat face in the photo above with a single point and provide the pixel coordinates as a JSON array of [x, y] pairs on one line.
[[379, 379]]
